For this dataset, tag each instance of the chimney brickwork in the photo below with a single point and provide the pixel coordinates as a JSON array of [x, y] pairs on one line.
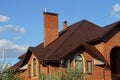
[[50, 27]]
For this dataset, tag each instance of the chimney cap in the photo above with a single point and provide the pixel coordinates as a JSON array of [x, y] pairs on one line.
[[50, 13], [65, 22]]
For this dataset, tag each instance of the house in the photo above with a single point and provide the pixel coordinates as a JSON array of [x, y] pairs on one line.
[[95, 48]]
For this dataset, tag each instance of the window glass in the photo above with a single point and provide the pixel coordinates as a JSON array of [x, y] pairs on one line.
[[34, 67], [78, 63], [89, 67]]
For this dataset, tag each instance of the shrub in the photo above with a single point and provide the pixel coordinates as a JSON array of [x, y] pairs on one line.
[[71, 75]]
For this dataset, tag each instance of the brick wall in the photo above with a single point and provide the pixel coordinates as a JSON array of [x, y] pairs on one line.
[[98, 72]]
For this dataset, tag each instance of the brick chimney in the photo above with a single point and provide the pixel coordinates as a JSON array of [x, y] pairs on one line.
[[50, 27], [64, 24]]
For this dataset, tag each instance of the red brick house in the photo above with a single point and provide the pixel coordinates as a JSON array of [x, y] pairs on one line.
[[95, 48]]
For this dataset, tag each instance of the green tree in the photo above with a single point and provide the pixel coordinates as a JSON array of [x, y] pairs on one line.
[[7, 73]]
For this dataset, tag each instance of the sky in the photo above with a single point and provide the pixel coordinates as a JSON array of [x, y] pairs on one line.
[[21, 21]]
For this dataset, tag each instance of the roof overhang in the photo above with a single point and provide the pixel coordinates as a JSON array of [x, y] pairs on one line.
[[98, 62], [24, 67], [95, 53]]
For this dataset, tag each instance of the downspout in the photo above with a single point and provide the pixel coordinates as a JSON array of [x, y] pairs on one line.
[[104, 69], [61, 65]]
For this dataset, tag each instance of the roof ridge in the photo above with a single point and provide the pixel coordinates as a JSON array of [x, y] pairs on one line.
[[91, 23], [114, 23]]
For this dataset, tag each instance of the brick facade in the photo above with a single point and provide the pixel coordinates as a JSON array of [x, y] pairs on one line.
[[65, 46], [98, 73]]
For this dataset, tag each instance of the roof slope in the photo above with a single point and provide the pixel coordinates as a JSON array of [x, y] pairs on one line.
[[112, 28], [81, 33], [72, 38], [107, 29], [18, 64]]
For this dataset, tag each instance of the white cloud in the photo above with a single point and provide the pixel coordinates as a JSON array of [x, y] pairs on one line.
[[1, 29], [3, 18], [12, 50], [17, 38], [12, 28], [116, 11]]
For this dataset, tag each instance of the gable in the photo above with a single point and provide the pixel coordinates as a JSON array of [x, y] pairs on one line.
[[26, 57], [114, 40], [30, 61]]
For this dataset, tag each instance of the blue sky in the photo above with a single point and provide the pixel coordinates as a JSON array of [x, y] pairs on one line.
[[21, 21]]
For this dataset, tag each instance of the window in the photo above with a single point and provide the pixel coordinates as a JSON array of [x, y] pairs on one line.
[[78, 63], [89, 67], [34, 67], [67, 65]]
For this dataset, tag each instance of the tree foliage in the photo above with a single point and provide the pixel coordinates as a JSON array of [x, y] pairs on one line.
[[6, 73]]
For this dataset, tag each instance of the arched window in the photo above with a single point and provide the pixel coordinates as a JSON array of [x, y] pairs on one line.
[[34, 67], [115, 62], [78, 63]]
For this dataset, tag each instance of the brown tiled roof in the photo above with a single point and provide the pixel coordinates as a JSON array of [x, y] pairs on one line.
[[18, 65], [23, 59], [22, 56], [70, 39], [76, 34], [109, 28], [73, 37]]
